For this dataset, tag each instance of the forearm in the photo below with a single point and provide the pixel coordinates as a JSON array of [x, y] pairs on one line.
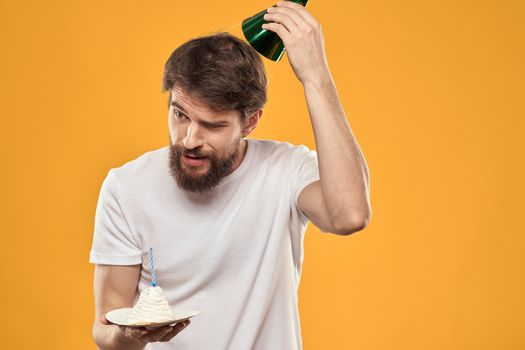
[[107, 337], [343, 171]]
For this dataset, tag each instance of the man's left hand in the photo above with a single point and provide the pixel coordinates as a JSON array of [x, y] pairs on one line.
[[302, 37]]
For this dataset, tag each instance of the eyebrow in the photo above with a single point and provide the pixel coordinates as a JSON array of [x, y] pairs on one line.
[[175, 104], [212, 123]]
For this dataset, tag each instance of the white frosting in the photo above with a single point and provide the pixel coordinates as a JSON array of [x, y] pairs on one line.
[[152, 307]]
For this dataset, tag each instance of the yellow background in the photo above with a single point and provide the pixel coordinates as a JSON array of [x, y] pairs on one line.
[[432, 89]]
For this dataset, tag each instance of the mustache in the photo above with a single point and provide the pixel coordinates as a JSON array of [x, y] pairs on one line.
[[196, 152]]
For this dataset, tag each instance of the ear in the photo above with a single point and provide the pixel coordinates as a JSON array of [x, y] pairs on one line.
[[251, 122]]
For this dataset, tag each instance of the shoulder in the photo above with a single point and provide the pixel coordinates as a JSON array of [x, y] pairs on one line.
[[275, 150], [143, 168]]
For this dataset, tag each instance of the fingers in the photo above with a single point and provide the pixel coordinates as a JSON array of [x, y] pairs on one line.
[[280, 30], [165, 333], [285, 17], [176, 330], [157, 334], [291, 21], [300, 10]]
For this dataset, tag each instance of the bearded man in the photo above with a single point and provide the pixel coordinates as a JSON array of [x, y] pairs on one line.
[[226, 214]]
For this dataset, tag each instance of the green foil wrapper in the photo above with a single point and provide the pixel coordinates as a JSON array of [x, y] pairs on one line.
[[266, 42]]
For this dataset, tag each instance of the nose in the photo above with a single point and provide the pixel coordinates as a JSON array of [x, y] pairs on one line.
[[193, 139]]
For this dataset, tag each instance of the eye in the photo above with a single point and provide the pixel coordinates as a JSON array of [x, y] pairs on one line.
[[179, 115], [214, 126]]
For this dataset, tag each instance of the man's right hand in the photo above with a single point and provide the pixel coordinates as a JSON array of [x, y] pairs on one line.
[[141, 335]]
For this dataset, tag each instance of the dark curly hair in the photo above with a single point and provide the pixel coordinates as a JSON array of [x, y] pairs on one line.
[[221, 70]]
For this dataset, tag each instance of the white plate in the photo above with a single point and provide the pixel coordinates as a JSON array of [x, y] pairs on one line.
[[120, 317]]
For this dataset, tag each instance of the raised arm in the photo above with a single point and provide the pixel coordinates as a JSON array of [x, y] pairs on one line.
[[340, 201]]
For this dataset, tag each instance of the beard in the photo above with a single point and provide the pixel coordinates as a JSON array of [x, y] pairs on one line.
[[187, 176]]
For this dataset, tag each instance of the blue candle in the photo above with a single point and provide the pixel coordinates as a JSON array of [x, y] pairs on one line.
[[153, 281]]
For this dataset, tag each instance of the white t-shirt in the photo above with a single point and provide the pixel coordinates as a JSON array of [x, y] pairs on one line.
[[234, 253]]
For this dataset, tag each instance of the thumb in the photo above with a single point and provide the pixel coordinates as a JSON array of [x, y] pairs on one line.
[[104, 320]]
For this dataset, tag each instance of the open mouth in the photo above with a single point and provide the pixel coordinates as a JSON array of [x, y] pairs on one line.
[[194, 156], [194, 160]]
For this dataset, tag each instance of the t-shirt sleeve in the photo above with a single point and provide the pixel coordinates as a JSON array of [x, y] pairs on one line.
[[305, 172], [113, 241]]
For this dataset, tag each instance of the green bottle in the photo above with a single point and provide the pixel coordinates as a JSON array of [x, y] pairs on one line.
[[266, 42]]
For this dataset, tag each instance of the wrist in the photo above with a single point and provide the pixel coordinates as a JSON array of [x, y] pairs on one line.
[[319, 80]]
